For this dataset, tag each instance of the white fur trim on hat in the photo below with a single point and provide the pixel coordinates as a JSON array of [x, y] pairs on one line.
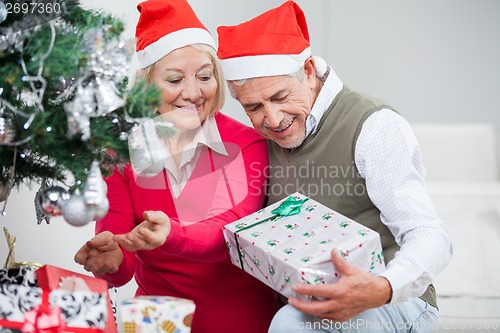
[[247, 67], [177, 39]]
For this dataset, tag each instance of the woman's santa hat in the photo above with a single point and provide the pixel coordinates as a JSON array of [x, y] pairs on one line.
[[273, 43], [166, 25]]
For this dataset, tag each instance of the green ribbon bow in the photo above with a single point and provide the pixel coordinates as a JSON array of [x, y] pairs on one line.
[[289, 207]]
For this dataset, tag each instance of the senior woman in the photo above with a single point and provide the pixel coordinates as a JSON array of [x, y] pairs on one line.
[[166, 229]]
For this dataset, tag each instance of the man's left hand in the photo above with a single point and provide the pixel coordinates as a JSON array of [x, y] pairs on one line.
[[355, 292]]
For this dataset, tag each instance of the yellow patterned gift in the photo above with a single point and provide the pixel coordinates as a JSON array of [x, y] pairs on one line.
[[152, 314]]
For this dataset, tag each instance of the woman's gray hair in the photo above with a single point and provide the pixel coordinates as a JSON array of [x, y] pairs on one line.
[[220, 95]]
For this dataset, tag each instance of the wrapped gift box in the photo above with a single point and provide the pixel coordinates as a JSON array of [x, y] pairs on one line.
[[78, 309], [152, 314], [50, 277], [24, 275], [291, 241]]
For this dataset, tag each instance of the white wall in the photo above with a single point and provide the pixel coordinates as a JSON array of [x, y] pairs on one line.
[[434, 60]]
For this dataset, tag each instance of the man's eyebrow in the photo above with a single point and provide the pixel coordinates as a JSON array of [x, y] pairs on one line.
[[277, 94], [250, 105], [274, 96]]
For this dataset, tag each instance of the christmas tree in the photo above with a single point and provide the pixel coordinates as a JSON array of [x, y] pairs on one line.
[[66, 108]]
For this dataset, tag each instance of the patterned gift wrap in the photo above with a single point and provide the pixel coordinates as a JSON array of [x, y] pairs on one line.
[[22, 276], [81, 311], [290, 242], [50, 277], [154, 314]]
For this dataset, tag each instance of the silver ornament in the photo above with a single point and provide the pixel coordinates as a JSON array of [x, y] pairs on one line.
[[95, 189], [101, 210], [7, 131], [4, 191], [148, 152], [76, 212], [11, 40], [3, 11], [79, 110], [110, 59], [94, 193], [107, 97], [50, 200], [40, 216]]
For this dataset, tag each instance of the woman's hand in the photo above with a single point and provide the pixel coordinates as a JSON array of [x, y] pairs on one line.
[[148, 235], [100, 255]]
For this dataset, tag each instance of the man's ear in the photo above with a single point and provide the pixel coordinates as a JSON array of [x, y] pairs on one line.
[[310, 72]]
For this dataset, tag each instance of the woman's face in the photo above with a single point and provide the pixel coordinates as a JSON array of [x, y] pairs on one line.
[[187, 82]]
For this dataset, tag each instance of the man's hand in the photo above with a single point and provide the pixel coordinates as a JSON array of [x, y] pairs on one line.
[[100, 255], [148, 235], [355, 292]]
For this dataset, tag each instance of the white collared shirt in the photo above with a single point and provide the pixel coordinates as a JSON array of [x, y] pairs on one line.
[[331, 87], [388, 157], [206, 135]]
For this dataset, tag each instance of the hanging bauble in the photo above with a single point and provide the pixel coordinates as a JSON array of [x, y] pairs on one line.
[[148, 152], [7, 131], [106, 96], [79, 110], [3, 11], [101, 210], [4, 191], [95, 191], [50, 200], [76, 212], [107, 58]]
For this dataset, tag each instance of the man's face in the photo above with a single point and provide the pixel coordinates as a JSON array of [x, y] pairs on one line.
[[278, 106]]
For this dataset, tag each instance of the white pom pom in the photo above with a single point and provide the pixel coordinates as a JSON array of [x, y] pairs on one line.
[[321, 67]]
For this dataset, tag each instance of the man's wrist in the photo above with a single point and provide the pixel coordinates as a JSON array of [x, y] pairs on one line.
[[385, 288]]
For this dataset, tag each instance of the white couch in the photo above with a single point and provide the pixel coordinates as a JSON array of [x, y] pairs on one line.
[[464, 185]]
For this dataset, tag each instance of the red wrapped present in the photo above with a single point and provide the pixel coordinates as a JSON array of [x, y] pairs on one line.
[[50, 277]]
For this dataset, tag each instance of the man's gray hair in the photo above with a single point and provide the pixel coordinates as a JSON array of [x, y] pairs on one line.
[[298, 74], [320, 66]]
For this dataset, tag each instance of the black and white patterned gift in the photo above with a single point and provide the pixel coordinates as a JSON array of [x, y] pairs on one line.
[[78, 308], [24, 276]]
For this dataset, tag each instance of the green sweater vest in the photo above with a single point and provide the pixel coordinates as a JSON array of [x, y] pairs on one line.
[[323, 168]]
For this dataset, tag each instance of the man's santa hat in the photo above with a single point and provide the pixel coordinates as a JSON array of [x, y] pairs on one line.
[[273, 43], [166, 25]]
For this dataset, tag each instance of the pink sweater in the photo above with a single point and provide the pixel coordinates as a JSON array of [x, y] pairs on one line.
[[194, 263]]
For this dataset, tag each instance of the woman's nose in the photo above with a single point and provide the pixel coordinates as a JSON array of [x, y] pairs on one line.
[[191, 91]]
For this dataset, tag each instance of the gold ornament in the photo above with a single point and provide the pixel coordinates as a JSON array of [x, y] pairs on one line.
[[10, 262]]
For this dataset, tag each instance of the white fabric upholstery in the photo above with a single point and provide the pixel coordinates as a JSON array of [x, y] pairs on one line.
[[458, 152], [462, 178], [472, 213]]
